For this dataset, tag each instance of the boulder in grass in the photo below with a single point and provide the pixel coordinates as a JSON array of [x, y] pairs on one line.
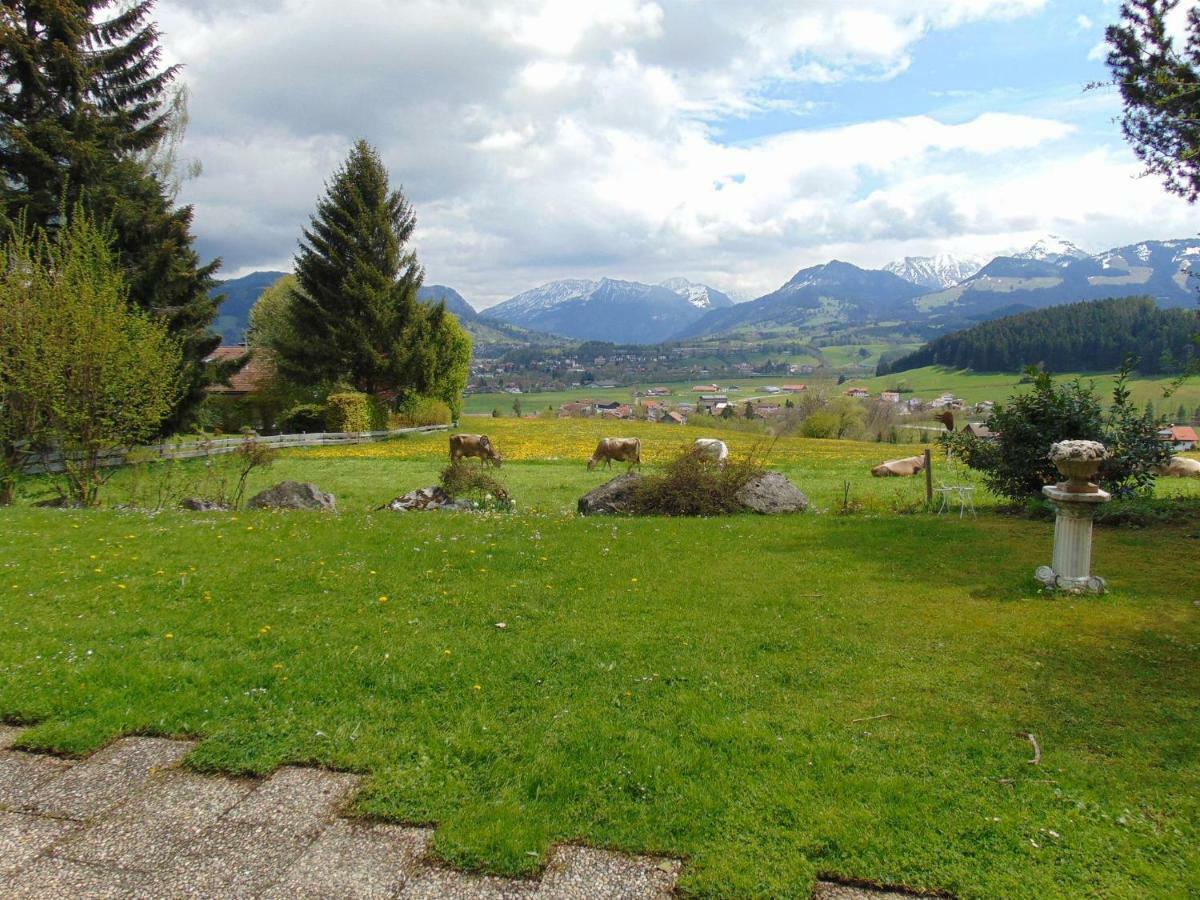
[[613, 497], [771, 494], [426, 498], [293, 495], [200, 504]]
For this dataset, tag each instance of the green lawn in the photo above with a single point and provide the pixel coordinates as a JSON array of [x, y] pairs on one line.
[[769, 698], [931, 381]]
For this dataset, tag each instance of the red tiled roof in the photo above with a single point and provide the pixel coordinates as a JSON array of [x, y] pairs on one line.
[[1182, 433], [252, 377]]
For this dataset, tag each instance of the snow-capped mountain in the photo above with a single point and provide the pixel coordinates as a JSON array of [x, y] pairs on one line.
[[700, 296], [604, 310], [935, 272], [1052, 249]]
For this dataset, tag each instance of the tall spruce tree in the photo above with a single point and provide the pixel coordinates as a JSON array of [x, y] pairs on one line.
[[1159, 80], [355, 316], [83, 101]]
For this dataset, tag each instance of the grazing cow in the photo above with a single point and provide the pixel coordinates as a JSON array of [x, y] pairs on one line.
[[619, 449], [900, 468], [1181, 467], [711, 448], [477, 445]]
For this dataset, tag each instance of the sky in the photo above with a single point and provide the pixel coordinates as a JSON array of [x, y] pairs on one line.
[[731, 143]]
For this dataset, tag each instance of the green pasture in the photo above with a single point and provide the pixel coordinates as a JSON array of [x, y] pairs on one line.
[[772, 699]]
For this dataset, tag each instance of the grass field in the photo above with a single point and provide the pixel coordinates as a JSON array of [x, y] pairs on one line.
[[768, 698], [926, 383]]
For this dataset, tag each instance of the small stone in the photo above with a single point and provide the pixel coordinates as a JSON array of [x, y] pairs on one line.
[[501, 625], [201, 504]]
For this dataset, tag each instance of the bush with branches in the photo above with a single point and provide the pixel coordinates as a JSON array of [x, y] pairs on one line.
[[1015, 464], [693, 484]]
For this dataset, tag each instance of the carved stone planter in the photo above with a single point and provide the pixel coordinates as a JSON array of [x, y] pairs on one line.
[[1075, 502]]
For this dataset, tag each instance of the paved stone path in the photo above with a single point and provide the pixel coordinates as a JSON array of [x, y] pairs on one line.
[[128, 822]]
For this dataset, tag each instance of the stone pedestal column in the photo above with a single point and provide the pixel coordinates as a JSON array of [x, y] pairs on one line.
[[1071, 566], [1076, 501]]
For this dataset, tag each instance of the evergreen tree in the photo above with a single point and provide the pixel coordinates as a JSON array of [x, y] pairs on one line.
[[84, 105], [1160, 86], [355, 307]]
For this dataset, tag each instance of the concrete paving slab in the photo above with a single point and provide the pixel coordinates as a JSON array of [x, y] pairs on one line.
[[49, 877], [446, 884], [354, 861], [109, 777], [159, 824], [22, 837], [584, 873], [23, 775], [828, 890], [231, 860], [9, 735], [301, 801]]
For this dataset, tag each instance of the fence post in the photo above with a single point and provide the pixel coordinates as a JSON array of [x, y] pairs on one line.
[[928, 476]]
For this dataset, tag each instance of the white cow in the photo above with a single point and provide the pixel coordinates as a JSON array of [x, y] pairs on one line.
[[711, 448], [1181, 467]]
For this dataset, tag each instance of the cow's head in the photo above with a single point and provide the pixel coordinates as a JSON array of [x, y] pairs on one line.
[[493, 454], [591, 464]]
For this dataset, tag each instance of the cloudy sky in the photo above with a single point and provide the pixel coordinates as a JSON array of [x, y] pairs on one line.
[[729, 142]]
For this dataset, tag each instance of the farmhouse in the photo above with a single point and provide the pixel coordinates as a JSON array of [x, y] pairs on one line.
[[252, 377], [674, 418], [705, 389], [979, 430], [577, 408], [709, 401], [858, 393], [1180, 437], [795, 388], [890, 396]]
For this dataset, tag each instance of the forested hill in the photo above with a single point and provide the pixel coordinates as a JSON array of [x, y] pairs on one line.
[[1079, 337]]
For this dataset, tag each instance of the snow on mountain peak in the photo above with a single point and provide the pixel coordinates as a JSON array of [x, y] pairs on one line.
[[700, 296], [935, 272], [1052, 248]]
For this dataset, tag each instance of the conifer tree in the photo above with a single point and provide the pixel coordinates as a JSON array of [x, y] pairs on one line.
[[84, 102], [355, 307]]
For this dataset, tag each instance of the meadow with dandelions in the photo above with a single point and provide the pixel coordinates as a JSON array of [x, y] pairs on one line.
[[840, 693]]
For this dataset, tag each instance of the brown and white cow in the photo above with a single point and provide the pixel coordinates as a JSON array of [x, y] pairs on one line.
[[900, 468], [617, 449], [1181, 467], [476, 445]]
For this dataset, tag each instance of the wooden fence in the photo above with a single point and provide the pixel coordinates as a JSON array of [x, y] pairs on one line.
[[197, 449]]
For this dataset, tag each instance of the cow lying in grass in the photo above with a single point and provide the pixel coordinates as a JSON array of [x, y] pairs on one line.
[[900, 468], [476, 445], [1181, 467], [611, 450]]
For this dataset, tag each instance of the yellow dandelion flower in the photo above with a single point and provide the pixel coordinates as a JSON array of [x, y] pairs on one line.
[[168, 635]]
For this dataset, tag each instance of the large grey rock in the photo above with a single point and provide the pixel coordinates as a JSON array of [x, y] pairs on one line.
[[615, 496], [772, 494], [293, 495]]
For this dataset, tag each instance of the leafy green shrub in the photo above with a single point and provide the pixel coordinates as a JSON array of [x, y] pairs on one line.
[[354, 411], [463, 481], [692, 484], [303, 418], [1015, 465], [416, 412]]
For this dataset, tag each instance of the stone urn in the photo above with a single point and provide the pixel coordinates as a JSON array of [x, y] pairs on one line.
[[1078, 461]]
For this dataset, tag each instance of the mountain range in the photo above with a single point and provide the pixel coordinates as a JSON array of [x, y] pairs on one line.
[[626, 312], [936, 293]]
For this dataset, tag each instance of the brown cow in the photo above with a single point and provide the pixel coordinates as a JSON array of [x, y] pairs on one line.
[[620, 449], [1181, 467], [477, 445], [900, 468]]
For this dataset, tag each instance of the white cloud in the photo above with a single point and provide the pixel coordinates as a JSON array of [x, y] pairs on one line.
[[548, 139]]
